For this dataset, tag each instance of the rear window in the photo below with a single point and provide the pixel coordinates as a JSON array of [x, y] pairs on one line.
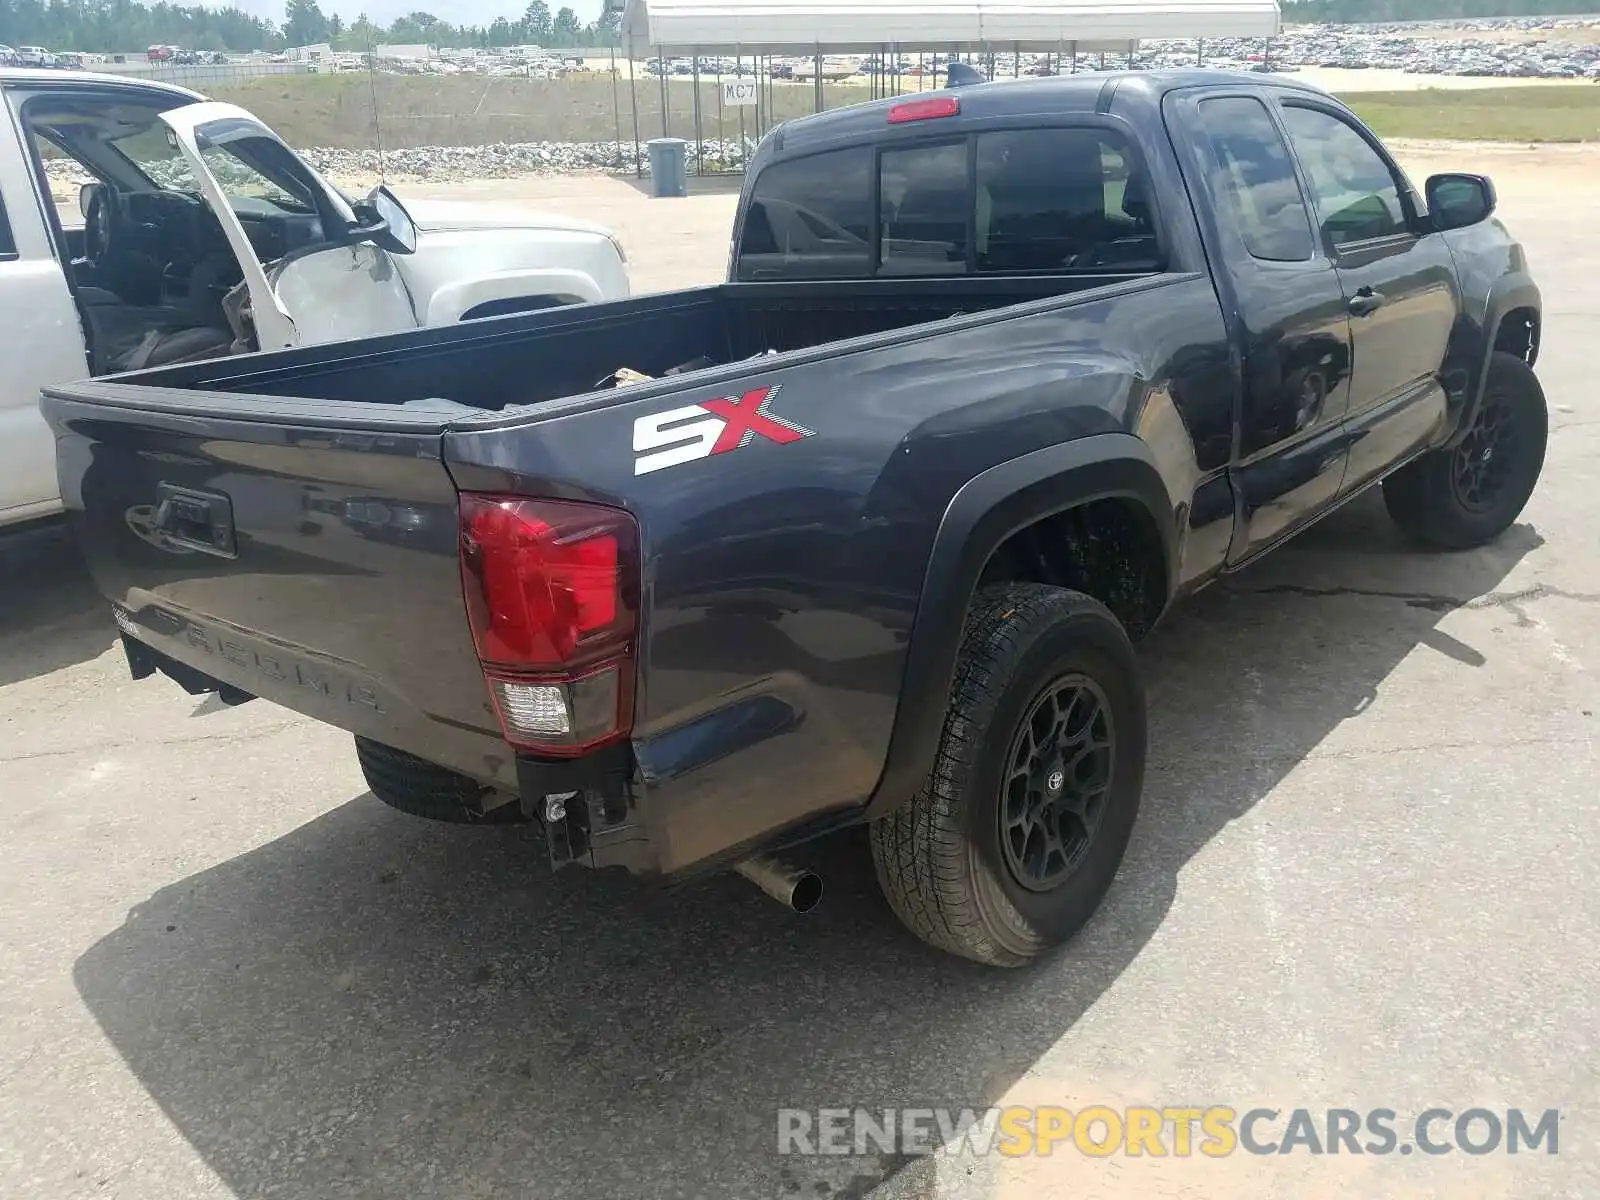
[[811, 218], [923, 210], [1002, 203]]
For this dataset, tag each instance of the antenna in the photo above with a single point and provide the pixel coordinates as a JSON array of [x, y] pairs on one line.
[[961, 75]]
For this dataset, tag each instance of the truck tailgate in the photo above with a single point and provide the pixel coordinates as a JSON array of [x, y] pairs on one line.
[[315, 565]]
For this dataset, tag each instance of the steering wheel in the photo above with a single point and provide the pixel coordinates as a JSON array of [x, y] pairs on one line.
[[103, 223]]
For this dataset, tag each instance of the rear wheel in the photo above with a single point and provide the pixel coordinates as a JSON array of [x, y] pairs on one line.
[[1468, 494], [425, 789], [1013, 841]]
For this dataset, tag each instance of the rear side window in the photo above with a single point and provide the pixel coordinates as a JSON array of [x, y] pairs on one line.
[[1252, 177], [1003, 203], [1061, 200]]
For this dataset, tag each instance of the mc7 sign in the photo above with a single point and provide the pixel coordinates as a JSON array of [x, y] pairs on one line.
[[739, 93]]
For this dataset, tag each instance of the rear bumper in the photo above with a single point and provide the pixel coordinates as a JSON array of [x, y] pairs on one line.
[[603, 825], [205, 655], [604, 809]]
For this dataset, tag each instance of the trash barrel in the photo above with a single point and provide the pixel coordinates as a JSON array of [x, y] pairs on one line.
[[669, 158]]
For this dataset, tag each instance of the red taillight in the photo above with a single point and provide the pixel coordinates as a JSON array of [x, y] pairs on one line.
[[925, 110], [552, 594]]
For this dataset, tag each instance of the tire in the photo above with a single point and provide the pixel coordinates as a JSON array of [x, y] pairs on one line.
[[424, 789], [942, 858], [1462, 496]]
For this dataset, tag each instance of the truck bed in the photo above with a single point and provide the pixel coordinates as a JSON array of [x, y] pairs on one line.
[[429, 377]]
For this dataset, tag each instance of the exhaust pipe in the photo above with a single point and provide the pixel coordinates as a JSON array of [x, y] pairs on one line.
[[793, 887]]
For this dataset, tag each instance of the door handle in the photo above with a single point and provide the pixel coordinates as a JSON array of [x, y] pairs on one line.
[[1365, 302]]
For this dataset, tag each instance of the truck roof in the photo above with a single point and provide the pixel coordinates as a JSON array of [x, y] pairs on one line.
[[25, 76], [1015, 97]]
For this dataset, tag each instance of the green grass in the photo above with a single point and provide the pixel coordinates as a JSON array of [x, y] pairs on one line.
[[337, 111], [1557, 113]]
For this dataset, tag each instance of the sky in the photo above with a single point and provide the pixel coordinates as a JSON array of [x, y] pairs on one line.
[[457, 12]]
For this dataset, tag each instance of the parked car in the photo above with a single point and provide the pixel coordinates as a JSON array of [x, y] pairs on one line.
[[868, 532], [205, 235]]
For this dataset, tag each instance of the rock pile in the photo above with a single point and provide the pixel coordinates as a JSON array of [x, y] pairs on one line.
[[448, 164]]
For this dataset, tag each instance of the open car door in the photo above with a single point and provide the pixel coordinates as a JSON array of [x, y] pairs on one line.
[[332, 284]]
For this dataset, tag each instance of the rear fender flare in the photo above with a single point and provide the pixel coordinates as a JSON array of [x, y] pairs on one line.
[[986, 511]]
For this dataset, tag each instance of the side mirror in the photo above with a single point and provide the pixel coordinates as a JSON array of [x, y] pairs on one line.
[[86, 195], [1456, 201], [383, 221]]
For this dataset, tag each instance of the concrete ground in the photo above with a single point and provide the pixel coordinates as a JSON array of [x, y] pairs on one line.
[[1363, 877]]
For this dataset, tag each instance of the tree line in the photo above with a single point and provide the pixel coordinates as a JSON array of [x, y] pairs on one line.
[[106, 26], [125, 26]]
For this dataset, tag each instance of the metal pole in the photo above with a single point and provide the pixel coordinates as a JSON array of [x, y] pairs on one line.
[[633, 102], [666, 105], [1016, 60], [722, 136], [1130, 56], [699, 137], [1074, 57], [616, 101], [816, 65], [1200, 53]]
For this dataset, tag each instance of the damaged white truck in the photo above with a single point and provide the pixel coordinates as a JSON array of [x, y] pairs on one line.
[[203, 234]]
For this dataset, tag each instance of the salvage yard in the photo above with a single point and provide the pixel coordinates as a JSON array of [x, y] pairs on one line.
[[1362, 878]]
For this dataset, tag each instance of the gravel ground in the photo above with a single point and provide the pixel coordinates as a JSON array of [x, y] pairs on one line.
[[1361, 878]]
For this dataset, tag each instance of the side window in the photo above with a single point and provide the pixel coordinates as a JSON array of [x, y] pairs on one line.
[[810, 218], [1252, 176], [923, 210], [1061, 199], [1357, 194]]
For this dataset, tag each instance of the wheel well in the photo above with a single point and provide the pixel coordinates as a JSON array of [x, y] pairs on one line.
[[1110, 549], [1518, 334], [515, 304]]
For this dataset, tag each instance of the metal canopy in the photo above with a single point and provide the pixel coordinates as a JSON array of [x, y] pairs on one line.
[[835, 26]]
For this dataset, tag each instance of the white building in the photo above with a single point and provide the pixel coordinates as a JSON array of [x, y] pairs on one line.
[[416, 50]]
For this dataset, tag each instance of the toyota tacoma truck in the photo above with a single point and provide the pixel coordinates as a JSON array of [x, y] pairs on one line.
[[198, 233], [863, 535]]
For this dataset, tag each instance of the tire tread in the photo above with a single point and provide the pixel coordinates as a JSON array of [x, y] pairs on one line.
[[921, 851]]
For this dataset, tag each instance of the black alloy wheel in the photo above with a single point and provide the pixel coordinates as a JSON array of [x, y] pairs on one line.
[[1060, 768]]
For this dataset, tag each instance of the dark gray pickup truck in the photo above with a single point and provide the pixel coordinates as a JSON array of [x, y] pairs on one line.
[[865, 537]]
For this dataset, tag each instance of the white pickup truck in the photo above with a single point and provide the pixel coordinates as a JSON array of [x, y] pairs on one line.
[[204, 235]]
